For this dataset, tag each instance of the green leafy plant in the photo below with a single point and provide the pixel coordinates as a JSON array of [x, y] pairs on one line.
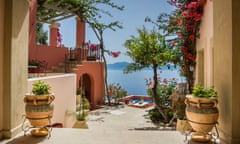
[[200, 91], [81, 111], [116, 92], [41, 88]]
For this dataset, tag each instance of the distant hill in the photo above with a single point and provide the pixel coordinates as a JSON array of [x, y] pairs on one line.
[[122, 65], [117, 65]]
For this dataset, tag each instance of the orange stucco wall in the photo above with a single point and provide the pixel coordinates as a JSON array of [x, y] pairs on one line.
[[80, 32], [53, 55], [95, 70]]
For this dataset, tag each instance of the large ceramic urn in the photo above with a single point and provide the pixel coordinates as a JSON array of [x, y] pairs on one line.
[[39, 109], [202, 113]]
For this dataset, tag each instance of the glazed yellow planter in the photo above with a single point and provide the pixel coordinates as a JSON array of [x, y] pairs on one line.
[[38, 109], [202, 113]]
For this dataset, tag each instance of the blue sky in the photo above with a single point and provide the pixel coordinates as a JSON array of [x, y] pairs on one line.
[[131, 18]]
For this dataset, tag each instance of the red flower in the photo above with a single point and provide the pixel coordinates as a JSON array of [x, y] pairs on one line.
[[179, 22], [197, 16], [185, 14], [165, 81], [93, 47], [179, 35], [179, 5], [192, 5], [115, 54], [191, 37], [183, 49], [173, 44], [191, 57]]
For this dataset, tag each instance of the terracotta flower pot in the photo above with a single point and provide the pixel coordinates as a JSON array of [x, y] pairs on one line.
[[202, 113], [39, 109]]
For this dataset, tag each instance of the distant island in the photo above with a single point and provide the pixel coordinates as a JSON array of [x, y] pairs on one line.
[[123, 65], [117, 65]]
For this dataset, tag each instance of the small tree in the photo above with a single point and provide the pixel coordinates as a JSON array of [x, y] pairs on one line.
[[42, 35], [149, 49]]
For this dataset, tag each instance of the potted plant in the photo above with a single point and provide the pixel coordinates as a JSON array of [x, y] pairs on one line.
[[82, 113], [201, 108], [38, 107], [178, 98]]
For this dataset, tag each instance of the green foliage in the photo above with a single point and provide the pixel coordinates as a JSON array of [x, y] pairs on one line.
[[165, 89], [81, 111], [200, 91], [148, 49], [85, 103], [81, 116], [80, 92], [116, 92], [156, 116], [41, 88], [42, 36]]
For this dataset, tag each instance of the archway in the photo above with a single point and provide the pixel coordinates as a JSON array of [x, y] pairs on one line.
[[85, 85]]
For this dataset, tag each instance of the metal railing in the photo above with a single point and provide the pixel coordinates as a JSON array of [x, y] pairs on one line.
[[77, 55]]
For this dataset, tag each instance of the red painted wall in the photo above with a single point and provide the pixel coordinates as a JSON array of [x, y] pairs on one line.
[[53, 55], [95, 70], [80, 32], [32, 28]]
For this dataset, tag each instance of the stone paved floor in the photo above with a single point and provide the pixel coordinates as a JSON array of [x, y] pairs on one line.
[[108, 126]]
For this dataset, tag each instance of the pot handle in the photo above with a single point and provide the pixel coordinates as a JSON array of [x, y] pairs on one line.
[[50, 99], [186, 101], [213, 102]]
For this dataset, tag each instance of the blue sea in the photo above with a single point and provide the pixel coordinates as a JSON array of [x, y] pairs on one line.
[[134, 83]]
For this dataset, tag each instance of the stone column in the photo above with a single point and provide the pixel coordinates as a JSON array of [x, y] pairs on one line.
[[80, 32], [53, 34], [14, 63], [227, 67]]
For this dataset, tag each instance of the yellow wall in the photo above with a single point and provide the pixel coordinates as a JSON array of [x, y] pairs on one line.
[[223, 64], [204, 46], [1, 63], [236, 71], [218, 62], [227, 67], [15, 64]]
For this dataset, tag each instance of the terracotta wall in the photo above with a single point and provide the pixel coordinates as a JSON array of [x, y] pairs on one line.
[[1, 63], [53, 55], [80, 32], [32, 28], [95, 71], [65, 99]]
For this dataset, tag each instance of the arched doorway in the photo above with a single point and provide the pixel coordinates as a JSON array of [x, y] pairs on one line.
[[85, 85]]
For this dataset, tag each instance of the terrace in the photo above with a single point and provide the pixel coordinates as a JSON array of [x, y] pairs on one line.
[[218, 64]]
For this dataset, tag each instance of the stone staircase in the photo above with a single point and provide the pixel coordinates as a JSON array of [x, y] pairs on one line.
[[68, 67]]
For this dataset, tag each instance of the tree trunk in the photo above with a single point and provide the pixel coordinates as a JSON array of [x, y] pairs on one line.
[[105, 70], [156, 99]]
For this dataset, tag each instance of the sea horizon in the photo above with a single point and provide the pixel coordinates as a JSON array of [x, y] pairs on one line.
[[134, 83]]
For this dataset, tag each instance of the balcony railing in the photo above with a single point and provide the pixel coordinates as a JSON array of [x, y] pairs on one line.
[[84, 53]]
